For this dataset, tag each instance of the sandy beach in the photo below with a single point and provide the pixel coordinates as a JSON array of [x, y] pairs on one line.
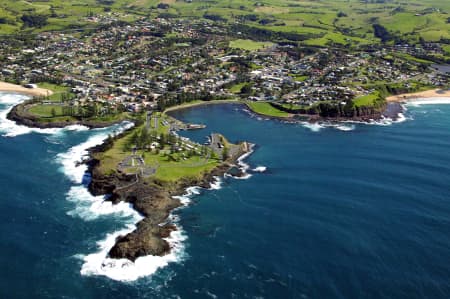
[[423, 95], [28, 91], [200, 103]]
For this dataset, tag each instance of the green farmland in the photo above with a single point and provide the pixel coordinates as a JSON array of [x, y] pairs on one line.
[[317, 23]]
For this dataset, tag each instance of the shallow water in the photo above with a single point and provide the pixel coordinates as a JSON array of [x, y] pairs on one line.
[[350, 211]]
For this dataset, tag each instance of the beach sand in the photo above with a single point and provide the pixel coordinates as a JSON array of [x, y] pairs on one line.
[[423, 95], [28, 91]]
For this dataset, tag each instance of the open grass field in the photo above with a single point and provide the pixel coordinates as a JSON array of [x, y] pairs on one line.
[[46, 110], [58, 91], [366, 100], [319, 23], [265, 108], [237, 87], [249, 45]]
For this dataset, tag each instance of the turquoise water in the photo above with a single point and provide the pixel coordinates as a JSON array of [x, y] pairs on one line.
[[360, 213]]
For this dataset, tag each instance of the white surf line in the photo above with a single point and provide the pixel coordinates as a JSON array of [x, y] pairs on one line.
[[90, 207], [429, 101], [9, 128]]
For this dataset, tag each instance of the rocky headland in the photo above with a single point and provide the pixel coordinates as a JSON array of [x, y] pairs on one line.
[[153, 199], [20, 115]]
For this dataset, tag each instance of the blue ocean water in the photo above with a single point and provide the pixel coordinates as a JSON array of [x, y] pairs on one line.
[[359, 211]]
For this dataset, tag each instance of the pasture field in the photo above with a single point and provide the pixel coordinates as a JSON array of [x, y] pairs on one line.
[[249, 45], [318, 23]]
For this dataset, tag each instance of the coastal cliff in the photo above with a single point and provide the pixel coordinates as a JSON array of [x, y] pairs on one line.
[[153, 199], [19, 114], [327, 111]]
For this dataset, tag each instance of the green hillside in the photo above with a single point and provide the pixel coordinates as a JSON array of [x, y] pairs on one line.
[[320, 23]]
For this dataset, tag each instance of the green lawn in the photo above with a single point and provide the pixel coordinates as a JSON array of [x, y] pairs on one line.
[[175, 170], [265, 108], [412, 58], [237, 87], [446, 49], [366, 100], [45, 110], [58, 91], [299, 78], [246, 44], [167, 169]]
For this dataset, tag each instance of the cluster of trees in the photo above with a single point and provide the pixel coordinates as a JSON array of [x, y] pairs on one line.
[[143, 138], [269, 35], [214, 17], [54, 79], [34, 20], [89, 111], [162, 6], [335, 109], [381, 32]]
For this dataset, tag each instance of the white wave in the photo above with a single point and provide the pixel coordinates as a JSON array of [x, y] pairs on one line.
[[70, 160], [260, 169], [246, 176], [99, 263], [344, 128], [217, 184], [430, 101], [387, 121], [125, 270], [9, 128], [401, 118], [240, 160], [12, 99], [89, 207], [318, 126], [315, 127], [185, 199], [244, 166]]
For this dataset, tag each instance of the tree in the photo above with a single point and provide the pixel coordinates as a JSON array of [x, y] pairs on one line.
[[381, 32], [246, 89], [53, 112], [34, 20]]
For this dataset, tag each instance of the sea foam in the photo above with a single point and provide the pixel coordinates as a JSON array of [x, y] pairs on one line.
[[314, 127], [217, 184], [99, 263], [259, 169], [430, 101], [70, 159], [9, 128], [125, 270], [89, 207]]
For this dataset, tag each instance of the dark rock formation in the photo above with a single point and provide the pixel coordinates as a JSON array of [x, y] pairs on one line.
[[153, 200]]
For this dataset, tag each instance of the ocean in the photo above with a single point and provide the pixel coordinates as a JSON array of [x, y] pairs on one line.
[[327, 211]]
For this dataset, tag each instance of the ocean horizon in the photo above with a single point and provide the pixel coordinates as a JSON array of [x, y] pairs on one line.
[[328, 210]]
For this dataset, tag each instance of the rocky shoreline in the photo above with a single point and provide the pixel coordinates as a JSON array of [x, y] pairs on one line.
[[21, 117], [391, 110], [154, 200]]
